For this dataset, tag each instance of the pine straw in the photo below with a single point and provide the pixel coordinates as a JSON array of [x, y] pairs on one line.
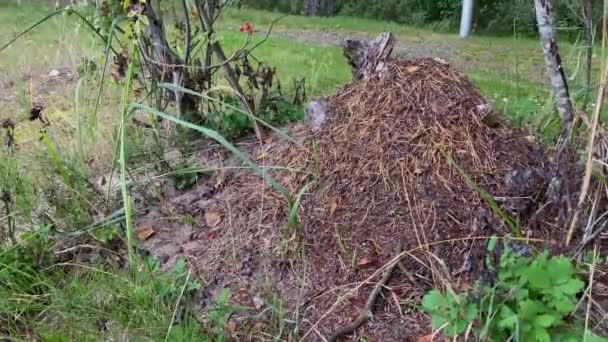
[[384, 185]]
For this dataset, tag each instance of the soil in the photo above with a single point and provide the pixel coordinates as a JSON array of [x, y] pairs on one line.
[[397, 167]]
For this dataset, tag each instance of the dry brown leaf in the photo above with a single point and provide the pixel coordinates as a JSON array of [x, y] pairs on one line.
[[364, 261], [427, 338], [145, 233], [263, 155], [213, 218], [333, 205], [412, 68]]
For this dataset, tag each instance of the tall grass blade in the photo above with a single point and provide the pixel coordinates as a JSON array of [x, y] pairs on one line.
[[292, 219], [49, 16], [486, 197], [122, 159], [105, 67], [56, 161]]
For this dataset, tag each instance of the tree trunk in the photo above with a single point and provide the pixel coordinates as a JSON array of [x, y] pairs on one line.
[[466, 19], [559, 82], [320, 7]]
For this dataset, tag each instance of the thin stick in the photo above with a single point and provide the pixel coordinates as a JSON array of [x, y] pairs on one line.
[[594, 128], [591, 275], [367, 310], [188, 34]]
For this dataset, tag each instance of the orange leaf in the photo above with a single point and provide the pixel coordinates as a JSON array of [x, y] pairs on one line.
[[213, 218], [333, 205], [427, 338], [145, 233], [364, 261]]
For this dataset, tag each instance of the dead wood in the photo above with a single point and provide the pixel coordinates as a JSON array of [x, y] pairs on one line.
[[366, 313], [365, 56]]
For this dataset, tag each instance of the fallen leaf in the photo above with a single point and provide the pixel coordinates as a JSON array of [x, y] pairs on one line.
[[213, 218], [145, 233], [427, 338], [412, 68], [211, 236], [333, 205], [364, 261], [263, 155]]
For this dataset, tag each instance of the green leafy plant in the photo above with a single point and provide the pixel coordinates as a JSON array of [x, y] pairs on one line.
[[219, 314], [531, 299], [450, 312]]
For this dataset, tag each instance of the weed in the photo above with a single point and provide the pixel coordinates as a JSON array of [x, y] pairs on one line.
[[532, 298]]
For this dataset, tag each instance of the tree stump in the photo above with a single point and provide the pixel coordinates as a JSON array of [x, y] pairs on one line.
[[365, 57]]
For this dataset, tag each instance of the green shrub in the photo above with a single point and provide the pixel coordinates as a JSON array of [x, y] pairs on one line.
[[532, 299]]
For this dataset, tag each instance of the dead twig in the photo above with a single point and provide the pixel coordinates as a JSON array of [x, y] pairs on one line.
[[367, 310]]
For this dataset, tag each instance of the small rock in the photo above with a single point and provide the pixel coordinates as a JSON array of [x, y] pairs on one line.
[[258, 302], [316, 114], [54, 73]]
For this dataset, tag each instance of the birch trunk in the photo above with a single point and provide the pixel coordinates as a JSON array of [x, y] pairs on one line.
[[559, 82]]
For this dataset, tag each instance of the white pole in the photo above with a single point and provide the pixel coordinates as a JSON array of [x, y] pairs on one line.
[[466, 20]]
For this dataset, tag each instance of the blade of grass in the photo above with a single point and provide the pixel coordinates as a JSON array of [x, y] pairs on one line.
[[49, 16], [105, 67], [486, 197], [122, 159], [292, 219], [55, 158], [179, 299]]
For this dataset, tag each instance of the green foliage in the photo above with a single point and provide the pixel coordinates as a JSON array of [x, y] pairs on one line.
[[450, 312], [91, 302], [233, 123], [532, 299], [220, 313], [20, 264]]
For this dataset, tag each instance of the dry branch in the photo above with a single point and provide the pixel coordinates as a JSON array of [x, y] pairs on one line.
[[367, 310]]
